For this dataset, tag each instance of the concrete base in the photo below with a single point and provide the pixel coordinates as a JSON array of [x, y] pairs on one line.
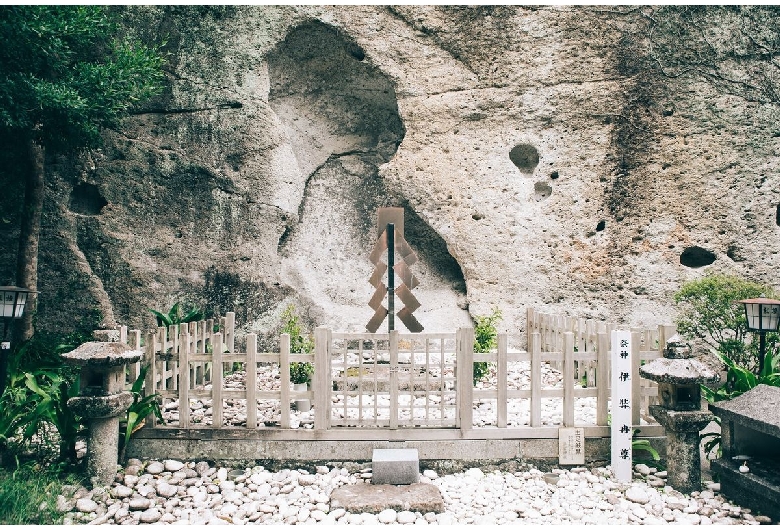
[[395, 466], [269, 446]]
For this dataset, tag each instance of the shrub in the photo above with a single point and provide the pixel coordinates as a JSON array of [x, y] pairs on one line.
[[708, 311], [485, 340], [299, 372]]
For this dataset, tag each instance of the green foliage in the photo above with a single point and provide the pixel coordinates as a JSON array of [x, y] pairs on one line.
[[485, 340], [299, 372], [708, 311], [139, 410], [174, 317], [36, 396], [65, 73], [738, 381], [28, 494]]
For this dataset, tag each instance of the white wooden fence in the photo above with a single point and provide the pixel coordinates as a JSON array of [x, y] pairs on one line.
[[395, 380]]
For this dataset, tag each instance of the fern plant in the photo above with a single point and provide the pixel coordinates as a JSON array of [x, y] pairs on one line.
[[174, 316]]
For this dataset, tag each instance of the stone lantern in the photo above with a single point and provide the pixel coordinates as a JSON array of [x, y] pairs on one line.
[[102, 399], [679, 375]]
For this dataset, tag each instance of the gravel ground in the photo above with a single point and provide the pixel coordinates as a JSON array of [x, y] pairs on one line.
[[176, 492], [196, 493]]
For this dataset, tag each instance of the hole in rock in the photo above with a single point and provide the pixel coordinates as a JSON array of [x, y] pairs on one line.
[[542, 190], [601, 225], [554, 175], [777, 216], [85, 199], [695, 257], [525, 157]]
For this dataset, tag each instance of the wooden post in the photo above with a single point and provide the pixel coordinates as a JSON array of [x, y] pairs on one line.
[[184, 383], [321, 379], [250, 367], [229, 332], [602, 379], [284, 372], [465, 377], [568, 379], [216, 382], [501, 374], [394, 392], [535, 344], [151, 373]]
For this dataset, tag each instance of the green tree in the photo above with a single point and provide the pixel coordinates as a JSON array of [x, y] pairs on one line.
[[65, 74], [708, 311]]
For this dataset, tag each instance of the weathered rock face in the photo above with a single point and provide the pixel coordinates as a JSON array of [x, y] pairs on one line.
[[541, 155]]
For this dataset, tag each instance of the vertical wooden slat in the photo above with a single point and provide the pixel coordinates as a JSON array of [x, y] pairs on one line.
[[134, 341], [284, 372], [216, 382], [502, 375], [360, 379], [636, 388], [568, 379], [151, 372], [394, 391], [344, 374], [530, 326], [184, 383], [174, 365], [250, 367], [535, 345], [602, 379], [466, 379], [230, 337], [321, 378]]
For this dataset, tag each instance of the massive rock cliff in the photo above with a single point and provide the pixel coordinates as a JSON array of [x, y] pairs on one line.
[[576, 159]]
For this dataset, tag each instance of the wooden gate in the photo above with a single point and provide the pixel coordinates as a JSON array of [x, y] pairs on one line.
[[392, 380]]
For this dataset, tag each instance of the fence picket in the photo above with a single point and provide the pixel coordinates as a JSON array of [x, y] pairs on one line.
[[568, 379], [501, 376], [321, 378], [535, 346], [284, 372], [602, 379], [217, 382], [184, 383], [250, 368]]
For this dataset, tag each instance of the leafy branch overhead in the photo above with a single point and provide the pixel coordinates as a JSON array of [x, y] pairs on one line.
[[65, 73]]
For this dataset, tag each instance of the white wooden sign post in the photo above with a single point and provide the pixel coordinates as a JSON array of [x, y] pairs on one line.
[[622, 429]]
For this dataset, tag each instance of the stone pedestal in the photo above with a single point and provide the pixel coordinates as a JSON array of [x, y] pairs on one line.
[[395, 466], [102, 401], [678, 376], [682, 445]]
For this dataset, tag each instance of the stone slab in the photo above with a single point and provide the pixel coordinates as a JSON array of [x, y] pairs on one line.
[[756, 408], [395, 466], [373, 498]]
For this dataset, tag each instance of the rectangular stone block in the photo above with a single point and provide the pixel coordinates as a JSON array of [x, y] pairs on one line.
[[395, 466]]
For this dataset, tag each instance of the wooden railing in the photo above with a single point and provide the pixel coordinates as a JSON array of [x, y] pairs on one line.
[[426, 379]]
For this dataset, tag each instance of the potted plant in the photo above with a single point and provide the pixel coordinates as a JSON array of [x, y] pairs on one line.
[[300, 377], [300, 373]]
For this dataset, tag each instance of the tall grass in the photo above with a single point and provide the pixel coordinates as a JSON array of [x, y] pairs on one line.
[[28, 495]]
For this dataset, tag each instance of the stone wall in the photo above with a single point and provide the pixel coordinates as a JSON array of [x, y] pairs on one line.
[[541, 154]]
